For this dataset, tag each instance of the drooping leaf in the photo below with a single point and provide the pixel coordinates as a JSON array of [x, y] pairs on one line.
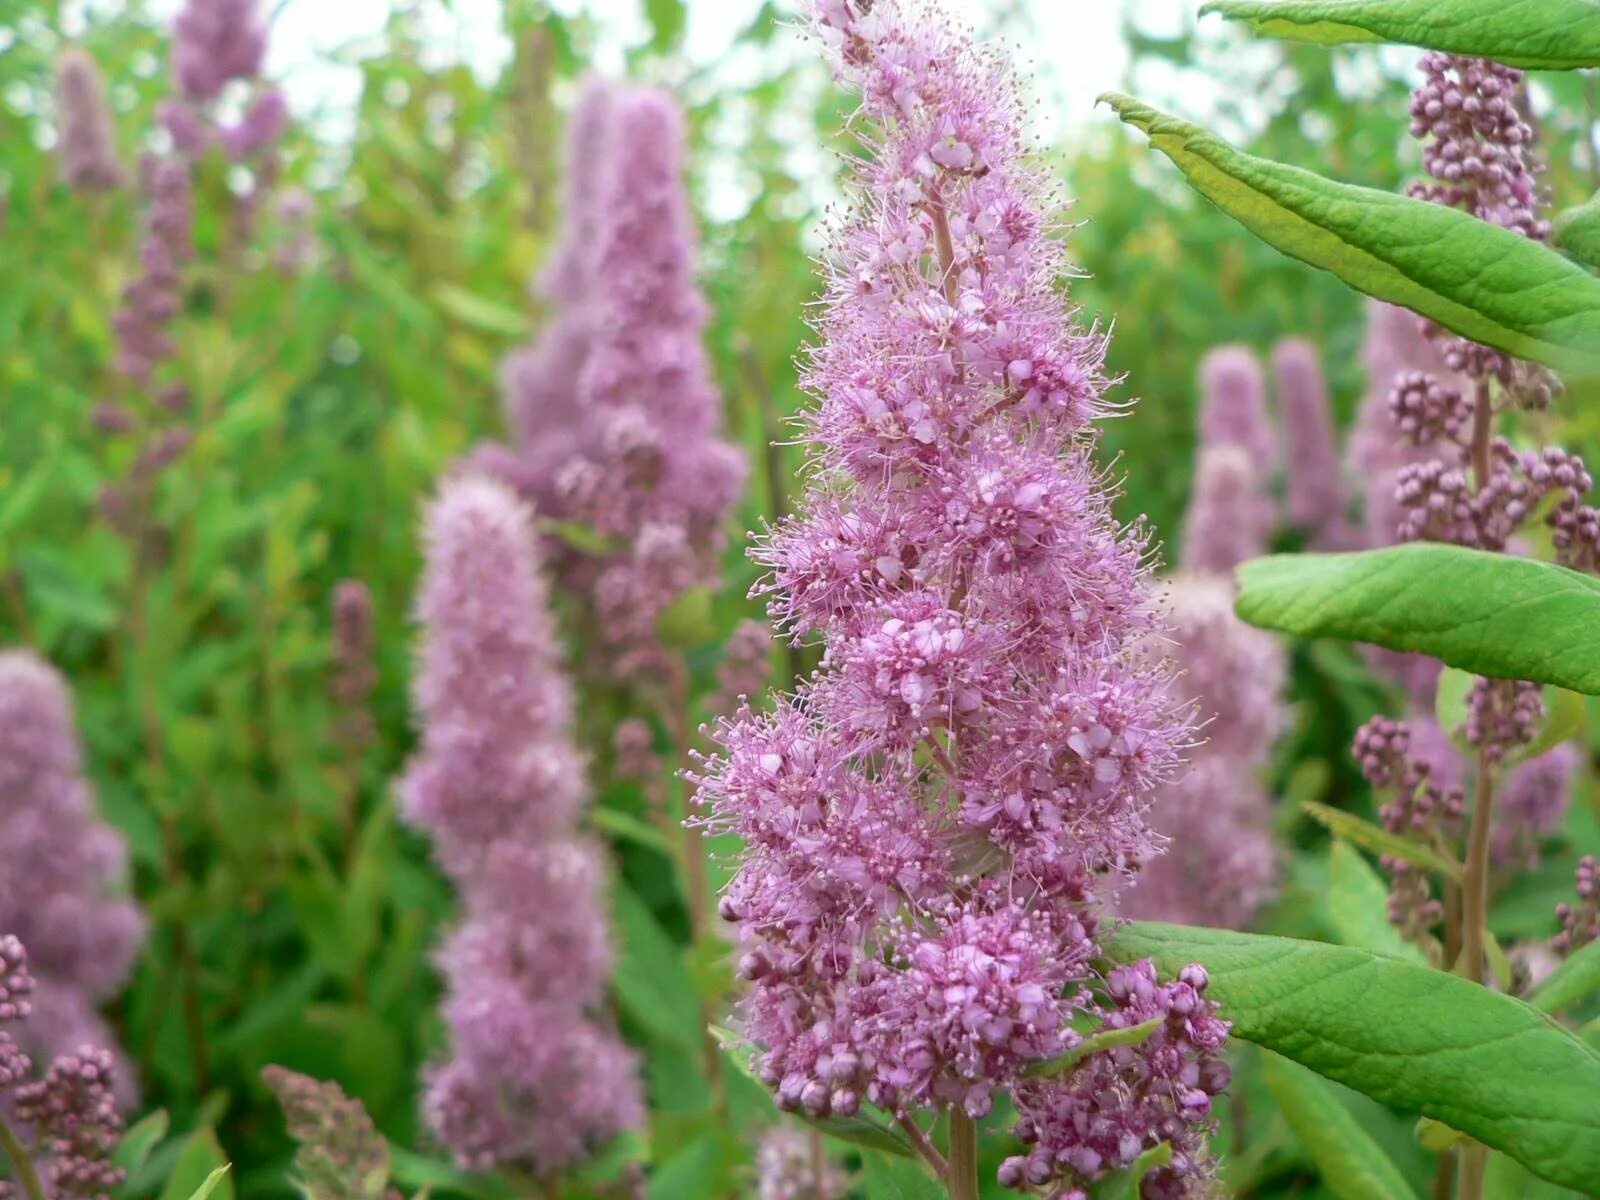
[[1574, 979], [1358, 906], [1486, 283], [1353, 1166], [1379, 840], [1544, 34], [1418, 1040], [1490, 614]]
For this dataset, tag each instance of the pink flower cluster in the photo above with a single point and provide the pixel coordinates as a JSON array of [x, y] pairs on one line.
[[1231, 513], [1315, 492], [537, 1077], [85, 127], [1221, 863], [1117, 1104], [68, 1116], [614, 412], [929, 819], [64, 866]]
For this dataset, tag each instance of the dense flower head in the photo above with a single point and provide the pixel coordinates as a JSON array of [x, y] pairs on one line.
[[58, 896], [613, 410], [536, 1076], [1230, 515], [155, 296], [491, 697], [1220, 863], [214, 43], [1116, 1105], [85, 128], [929, 820], [339, 1153], [1233, 406], [1313, 476]]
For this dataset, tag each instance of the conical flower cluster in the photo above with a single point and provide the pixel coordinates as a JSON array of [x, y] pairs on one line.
[[63, 865], [929, 819], [537, 1077], [613, 410]]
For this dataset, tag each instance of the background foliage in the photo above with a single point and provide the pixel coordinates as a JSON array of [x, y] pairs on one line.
[[292, 919]]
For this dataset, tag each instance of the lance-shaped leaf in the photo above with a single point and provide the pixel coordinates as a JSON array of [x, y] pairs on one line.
[[1418, 1040], [1491, 614], [1486, 283], [1379, 840], [1577, 232], [1353, 1166], [1550, 34], [1358, 906]]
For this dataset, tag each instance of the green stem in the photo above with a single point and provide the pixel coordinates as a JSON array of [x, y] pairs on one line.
[[1474, 1163], [962, 1178], [28, 1175]]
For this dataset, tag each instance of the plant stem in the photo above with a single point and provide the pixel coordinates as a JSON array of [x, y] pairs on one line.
[[1444, 1178], [1475, 885], [929, 1152], [27, 1174], [1474, 1162], [1482, 429], [819, 1166], [962, 1176]]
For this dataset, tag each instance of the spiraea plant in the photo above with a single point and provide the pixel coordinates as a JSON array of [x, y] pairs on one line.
[[1493, 527], [932, 821]]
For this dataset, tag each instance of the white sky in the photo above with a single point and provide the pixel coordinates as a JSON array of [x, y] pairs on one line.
[[1076, 46]]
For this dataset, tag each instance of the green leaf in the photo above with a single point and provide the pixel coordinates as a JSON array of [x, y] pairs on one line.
[[1577, 232], [1106, 1039], [1486, 283], [1575, 979], [651, 982], [142, 1137], [1567, 716], [1450, 698], [666, 22], [898, 1179], [1543, 34], [1353, 1166], [1418, 1040], [210, 1184], [1379, 840], [479, 312], [689, 1174], [413, 1170], [1438, 1137], [626, 827], [1358, 906], [201, 1170], [1490, 614]]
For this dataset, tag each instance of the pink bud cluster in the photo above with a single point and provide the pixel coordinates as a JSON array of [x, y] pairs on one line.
[[339, 1153], [614, 412], [928, 820], [354, 676], [1117, 1104], [1220, 865], [69, 1115], [537, 1076], [1580, 922], [65, 866], [85, 127]]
